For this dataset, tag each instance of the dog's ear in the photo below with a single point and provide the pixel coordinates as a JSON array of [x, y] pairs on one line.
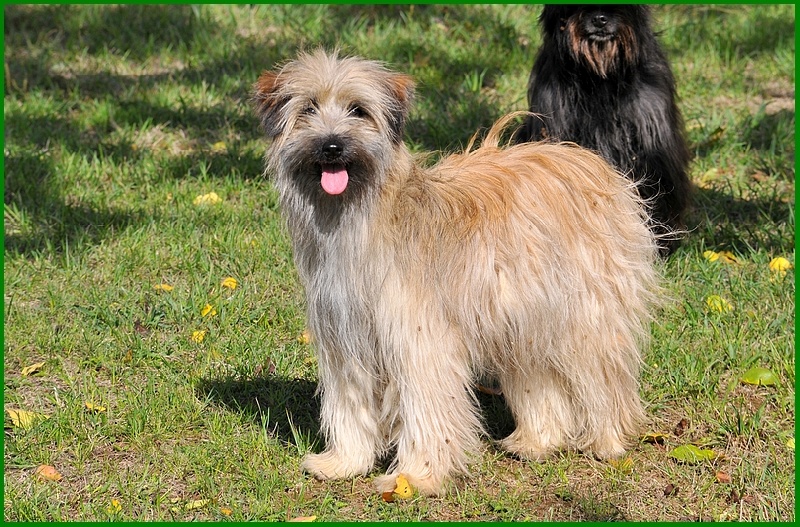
[[401, 89], [268, 104]]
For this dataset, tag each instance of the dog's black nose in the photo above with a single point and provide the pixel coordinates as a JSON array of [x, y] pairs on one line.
[[332, 150], [599, 21]]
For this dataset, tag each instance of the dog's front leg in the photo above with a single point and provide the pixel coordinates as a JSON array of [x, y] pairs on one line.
[[349, 420]]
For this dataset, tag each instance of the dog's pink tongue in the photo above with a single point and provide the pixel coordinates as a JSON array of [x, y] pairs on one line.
[[334, 179]]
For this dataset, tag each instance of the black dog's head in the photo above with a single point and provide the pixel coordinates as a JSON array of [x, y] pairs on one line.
[[604, 39]]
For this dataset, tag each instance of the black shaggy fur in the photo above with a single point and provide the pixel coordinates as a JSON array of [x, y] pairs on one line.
[[601, 80]]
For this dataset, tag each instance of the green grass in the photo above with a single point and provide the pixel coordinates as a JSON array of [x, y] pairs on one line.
[[117, 118]]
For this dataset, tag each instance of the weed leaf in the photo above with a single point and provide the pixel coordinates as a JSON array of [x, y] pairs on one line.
[[759, 376], [692, 454]]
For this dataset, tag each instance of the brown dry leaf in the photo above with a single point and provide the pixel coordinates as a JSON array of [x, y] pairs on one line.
[[670, 490], [140, 328], [48, 472], [723, 477], [33, 368], [681, 427], [388, 496]]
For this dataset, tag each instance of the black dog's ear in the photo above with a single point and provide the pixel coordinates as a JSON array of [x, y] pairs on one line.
[[401, 89], [268, 103]]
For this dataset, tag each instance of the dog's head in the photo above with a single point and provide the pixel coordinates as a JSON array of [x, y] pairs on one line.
[[334, 121], [602, 38]]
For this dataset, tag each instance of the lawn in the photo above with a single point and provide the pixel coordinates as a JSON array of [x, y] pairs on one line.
[[157, 388]]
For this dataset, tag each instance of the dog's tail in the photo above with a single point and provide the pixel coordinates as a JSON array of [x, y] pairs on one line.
[[498, 135]]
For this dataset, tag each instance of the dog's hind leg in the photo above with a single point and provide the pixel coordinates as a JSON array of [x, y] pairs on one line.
[[542, 410], [438, 425]]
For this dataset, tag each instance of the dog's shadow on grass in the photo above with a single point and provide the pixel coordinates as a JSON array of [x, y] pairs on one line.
[[289, 408]]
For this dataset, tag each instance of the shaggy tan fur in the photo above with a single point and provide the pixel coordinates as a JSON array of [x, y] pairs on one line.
[[531, 263]]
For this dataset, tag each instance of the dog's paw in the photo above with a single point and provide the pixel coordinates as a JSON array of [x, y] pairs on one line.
[[609, 447], [425, 486], [527, 449], [329, 465]]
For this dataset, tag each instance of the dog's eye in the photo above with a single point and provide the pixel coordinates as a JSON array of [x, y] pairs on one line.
[[357, 111], [309, 110]]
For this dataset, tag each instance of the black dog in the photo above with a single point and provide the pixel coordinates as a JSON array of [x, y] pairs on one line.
[[601, 80]]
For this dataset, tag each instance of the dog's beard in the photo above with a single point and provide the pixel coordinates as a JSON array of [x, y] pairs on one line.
[[321, 179], [604, 53]]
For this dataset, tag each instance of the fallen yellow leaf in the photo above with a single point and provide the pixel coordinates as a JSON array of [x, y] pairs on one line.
[[208, 310], [23, 418], [621, 465], [94, 407], [163, 287], [654, 437], [207, 199], [48, 472], [226, 511], [198, 335], [230, 282], [718, 304], [219, 146], [196, 504], [33, 368], [305, 337], [403, 489], [303, 519], [114, 507], [780, 266]]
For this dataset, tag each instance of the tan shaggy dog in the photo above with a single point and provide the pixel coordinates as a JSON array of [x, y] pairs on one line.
[[532, 264]]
